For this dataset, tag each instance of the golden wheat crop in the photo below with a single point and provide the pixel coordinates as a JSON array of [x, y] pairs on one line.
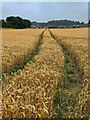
[[0, 51], [76, 40], [0, 71], [30, 92], [16, 46]]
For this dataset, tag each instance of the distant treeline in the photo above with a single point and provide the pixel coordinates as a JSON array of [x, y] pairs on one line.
[[15, 22], [66, 23], [60, 24], [19, 23], [89, 23]]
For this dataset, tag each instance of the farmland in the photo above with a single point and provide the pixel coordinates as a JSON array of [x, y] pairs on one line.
[[45, 73], [18, 45], [75, 41]]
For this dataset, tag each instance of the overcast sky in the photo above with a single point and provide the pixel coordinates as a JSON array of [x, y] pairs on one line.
[[45, 11]]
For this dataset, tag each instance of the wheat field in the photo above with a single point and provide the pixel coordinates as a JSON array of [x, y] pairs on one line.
[[43, 87], [16, 46], [76, 40]]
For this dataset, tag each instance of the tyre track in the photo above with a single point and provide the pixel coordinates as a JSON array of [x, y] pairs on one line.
[[30, 57], [30, 93], [67, 95]]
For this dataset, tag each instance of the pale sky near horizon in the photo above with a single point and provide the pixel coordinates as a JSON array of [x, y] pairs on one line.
[[45, 11], [45, 0]]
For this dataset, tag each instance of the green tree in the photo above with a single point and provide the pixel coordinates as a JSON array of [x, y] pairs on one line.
[[2, 23], [89, 23], [26, 23], [17, 22]]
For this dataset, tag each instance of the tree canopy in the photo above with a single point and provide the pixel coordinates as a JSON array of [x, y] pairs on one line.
[[16, 22]]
